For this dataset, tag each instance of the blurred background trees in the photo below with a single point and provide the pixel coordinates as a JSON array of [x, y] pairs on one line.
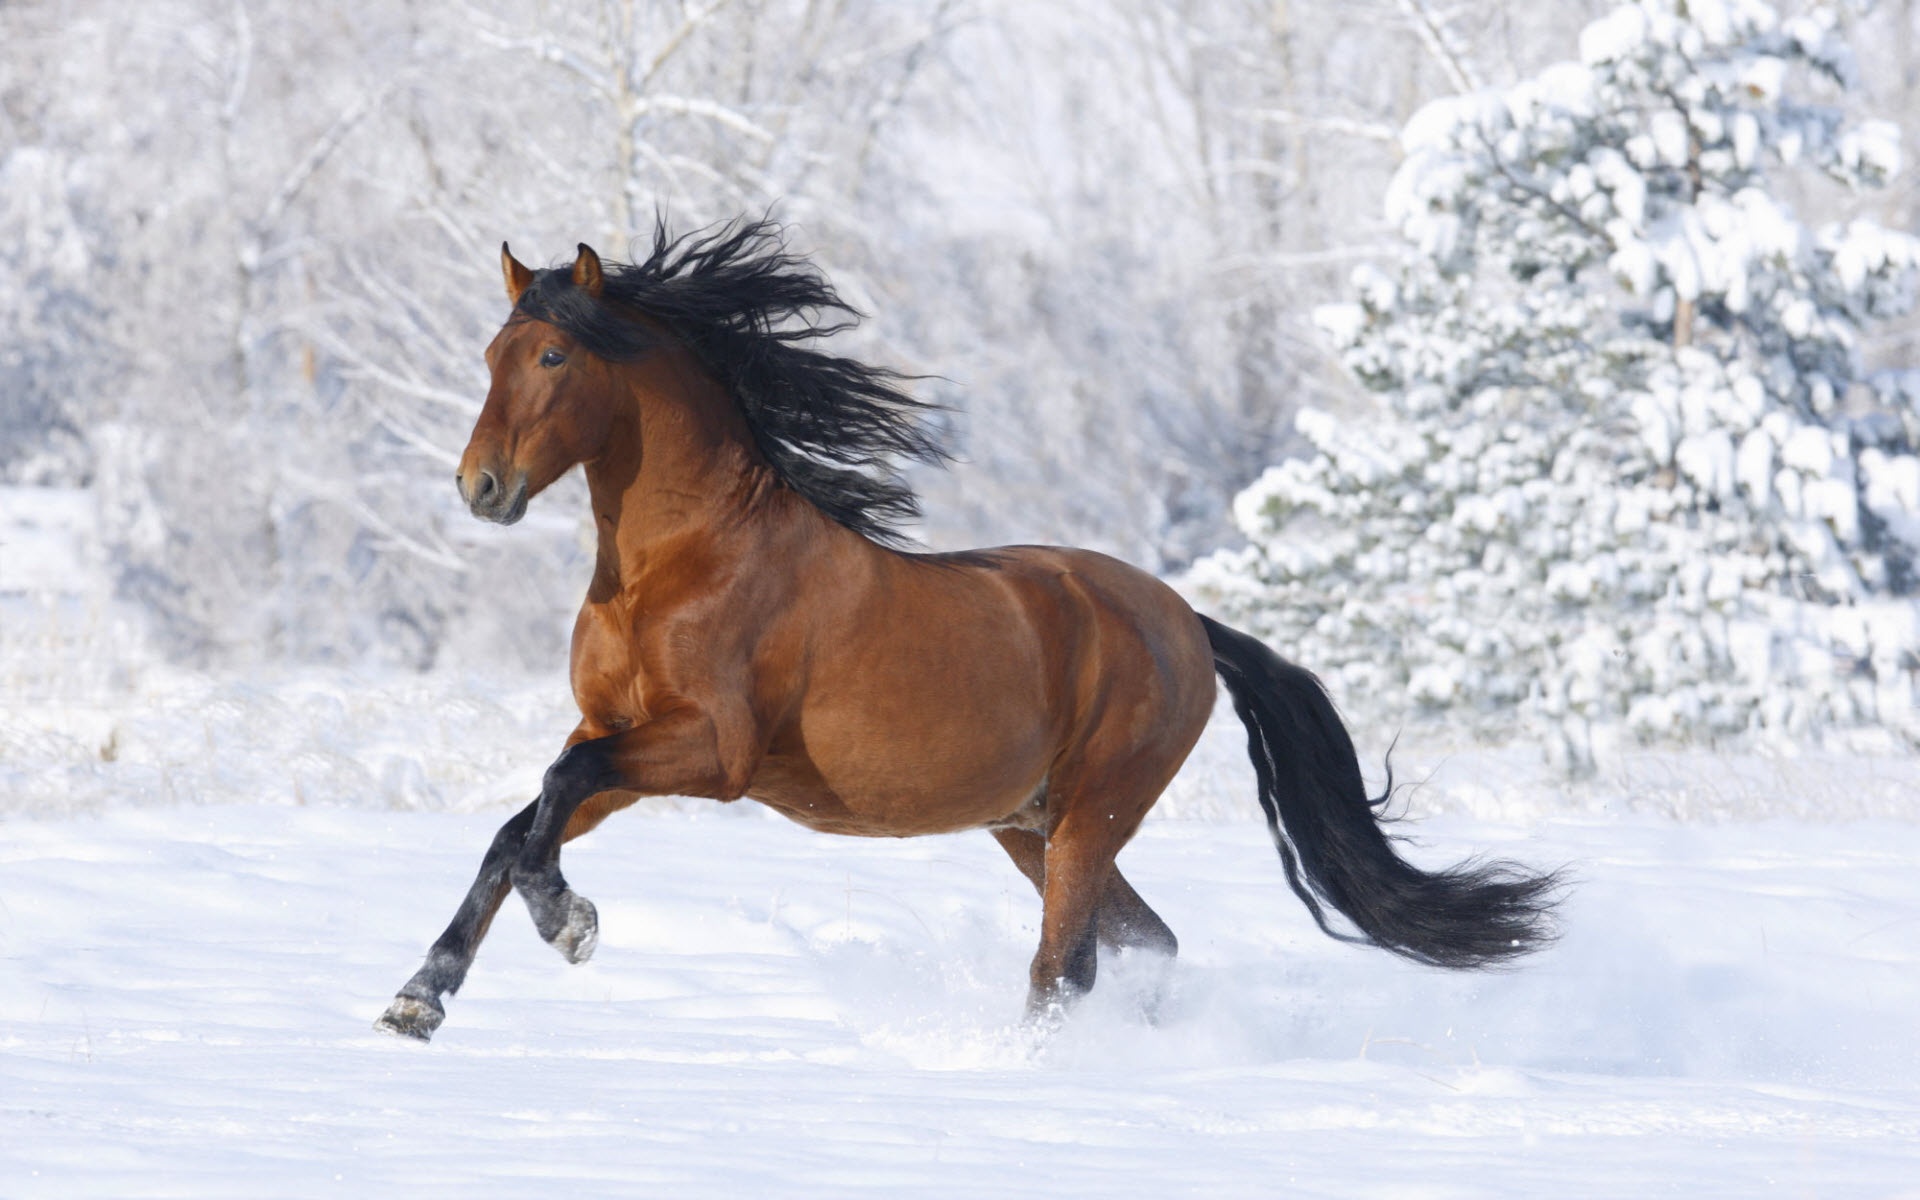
[[248, 252], [1633, 473]]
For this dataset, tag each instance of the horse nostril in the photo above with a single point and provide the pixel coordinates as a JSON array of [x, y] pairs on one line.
[[485, 488]]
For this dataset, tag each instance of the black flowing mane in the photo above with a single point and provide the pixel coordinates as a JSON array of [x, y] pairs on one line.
[[830, 427]]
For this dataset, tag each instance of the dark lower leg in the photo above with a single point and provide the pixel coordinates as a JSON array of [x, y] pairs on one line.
[[416, 1011], [1061, 974], [1126, 922], [565, 920]]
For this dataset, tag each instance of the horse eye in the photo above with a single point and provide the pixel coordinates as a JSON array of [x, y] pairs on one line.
[[552, 358]]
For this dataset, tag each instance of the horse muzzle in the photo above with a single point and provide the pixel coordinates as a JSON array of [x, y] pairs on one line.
[[490, 499]]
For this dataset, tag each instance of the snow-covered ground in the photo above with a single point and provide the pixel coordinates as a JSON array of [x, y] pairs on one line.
[[188, 986]]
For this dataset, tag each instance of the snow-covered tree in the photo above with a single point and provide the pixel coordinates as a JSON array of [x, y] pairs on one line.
[[1633, 473]]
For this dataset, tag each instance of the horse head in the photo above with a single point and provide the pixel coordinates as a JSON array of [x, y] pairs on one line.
[[551, 400]]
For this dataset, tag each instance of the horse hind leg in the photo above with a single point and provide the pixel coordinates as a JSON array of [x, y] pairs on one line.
[[1126, 923], [1095, 801], [1064, 966], [1076, 881], [1123, 921]]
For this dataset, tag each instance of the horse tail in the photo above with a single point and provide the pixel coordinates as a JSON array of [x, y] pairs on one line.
[[1329, 834]]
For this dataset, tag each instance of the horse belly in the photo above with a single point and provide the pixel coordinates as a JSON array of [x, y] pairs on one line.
[[889, 773], [885, 808]]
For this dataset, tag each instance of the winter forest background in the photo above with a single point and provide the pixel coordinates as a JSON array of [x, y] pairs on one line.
[[1544, 401]]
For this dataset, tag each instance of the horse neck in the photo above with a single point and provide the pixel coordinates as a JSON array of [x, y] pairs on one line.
[[679, 460]]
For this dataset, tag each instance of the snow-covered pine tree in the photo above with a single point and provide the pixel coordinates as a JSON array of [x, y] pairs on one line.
[[1631, 474]]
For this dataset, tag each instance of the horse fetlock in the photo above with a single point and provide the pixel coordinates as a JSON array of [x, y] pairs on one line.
[[581, 932], [1047, 1009], [1051, 996], [568, 922], [413, 1017]]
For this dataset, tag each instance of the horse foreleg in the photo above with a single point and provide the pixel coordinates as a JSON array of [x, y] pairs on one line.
[[675, 754], [416, 1011], [566, 920], [1123, 921]]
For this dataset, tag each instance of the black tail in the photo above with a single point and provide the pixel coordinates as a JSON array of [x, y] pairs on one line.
[[1330, 839]]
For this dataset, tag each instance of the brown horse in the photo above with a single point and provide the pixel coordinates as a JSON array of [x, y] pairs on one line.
[[750, 630]]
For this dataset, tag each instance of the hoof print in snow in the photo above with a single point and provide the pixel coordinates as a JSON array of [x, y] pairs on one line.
[[410, 1018]]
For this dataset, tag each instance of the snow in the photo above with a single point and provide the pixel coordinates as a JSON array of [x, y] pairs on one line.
[[1614, 36], [211, 884], [776, 1012], [1708, 459], [1341, 323], [45, 534], [1669, 132], [1755, 465], [1874, 146]]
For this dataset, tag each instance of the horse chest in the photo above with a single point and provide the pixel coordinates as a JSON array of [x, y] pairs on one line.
[[609, 677]]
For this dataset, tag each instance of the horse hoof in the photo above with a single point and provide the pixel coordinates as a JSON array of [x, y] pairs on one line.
[[580, 932], [1046, 1014], [409, 1017]]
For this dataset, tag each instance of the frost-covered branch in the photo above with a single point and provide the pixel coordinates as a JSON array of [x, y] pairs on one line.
[[678, 39], [317, 154], [331, 492], [1433, 36], [549, 51], [693, 106], [1375, 131], [242, 68]]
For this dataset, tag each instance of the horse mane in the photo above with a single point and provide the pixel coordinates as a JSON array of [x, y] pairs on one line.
[[831, 428]]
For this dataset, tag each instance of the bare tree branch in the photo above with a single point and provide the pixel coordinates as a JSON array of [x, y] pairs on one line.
[[677, 39], [691, 106], [311, 162], [553, 52], [242, 63], [328, 492], [1433, 35], [1375, 131]]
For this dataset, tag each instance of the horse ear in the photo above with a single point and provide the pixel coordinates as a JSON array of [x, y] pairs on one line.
[[586, 271], [517, 275]]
